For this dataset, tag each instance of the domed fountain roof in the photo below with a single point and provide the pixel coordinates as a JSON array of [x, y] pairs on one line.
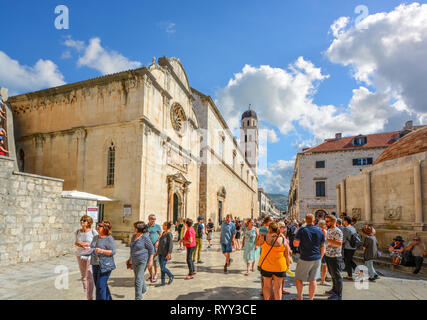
[[412, 143]]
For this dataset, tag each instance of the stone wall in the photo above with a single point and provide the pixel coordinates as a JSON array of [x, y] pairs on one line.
[[35, 221], [338, 165], [387, 196]]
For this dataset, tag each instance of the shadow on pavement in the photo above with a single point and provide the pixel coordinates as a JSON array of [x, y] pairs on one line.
[[121, 282], [223, 293]]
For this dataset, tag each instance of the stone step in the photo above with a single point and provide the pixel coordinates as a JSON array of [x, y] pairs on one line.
[[389, 265], [385, 257]]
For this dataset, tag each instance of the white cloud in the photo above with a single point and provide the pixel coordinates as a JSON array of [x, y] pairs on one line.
[[388, 51], [339, 25], [277, 177], [97, 57], [279, 96], [21, 78]]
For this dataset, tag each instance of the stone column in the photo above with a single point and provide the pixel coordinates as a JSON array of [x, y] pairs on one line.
[[343, 190], [338, 200], [186, 187], [80, 137], [368, 200], [170, 200], [38, 166], [418, 196]]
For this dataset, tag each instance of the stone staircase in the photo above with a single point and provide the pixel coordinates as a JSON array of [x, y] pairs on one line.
[[385, 261]]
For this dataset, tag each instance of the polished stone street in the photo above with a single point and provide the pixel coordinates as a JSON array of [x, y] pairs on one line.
[[37, 281]]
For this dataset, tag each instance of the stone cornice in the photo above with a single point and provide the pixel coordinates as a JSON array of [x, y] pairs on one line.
[[211, 103], [168, 139], [164, 61], [231, 169], [67, 90]]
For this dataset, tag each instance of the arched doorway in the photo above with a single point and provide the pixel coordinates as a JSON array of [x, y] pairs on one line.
[[221, 195]]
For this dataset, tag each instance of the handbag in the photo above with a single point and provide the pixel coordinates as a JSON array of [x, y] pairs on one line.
[[265, 238], [106, 264]]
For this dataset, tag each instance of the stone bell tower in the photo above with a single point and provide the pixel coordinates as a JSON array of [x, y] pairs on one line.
[[249, 137]]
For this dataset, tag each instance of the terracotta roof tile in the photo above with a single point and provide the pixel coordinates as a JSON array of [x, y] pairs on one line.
[[376, 140]]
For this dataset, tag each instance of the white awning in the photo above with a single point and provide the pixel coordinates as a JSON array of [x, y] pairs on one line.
[[84, 195]]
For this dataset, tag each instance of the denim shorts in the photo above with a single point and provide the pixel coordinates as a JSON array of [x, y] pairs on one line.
[[226, 248]]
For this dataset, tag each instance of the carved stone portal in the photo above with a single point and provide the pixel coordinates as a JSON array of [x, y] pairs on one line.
[[178, 187], [356, 213], [392, 214]]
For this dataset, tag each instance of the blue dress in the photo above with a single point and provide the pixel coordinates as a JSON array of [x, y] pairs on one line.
[[250, 251]]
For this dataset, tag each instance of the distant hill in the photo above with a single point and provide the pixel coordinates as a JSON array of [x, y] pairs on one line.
[[279, 200]]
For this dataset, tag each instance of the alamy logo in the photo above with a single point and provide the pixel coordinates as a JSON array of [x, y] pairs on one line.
[[61, 281], [63, 20]]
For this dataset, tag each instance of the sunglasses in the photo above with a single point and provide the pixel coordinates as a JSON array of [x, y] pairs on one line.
[[100, 226], [83, 220]]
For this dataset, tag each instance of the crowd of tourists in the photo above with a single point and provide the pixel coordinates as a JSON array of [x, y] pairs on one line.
[[324, 245]]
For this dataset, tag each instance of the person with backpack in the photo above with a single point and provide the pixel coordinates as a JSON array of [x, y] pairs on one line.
[[210, 229], [199, 228], [351, 242], [370, 251], [84, 237]]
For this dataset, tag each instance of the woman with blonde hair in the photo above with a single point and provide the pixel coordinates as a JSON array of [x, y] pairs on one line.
[[84, 237], [323, 268], [272, 262]]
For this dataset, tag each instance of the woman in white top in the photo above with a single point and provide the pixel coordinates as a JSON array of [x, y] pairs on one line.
[[84, 237]]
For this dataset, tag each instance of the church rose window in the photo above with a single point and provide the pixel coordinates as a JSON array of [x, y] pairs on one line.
[[178, 118]]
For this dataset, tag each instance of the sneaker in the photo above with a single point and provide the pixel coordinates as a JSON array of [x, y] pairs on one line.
[[376, 277], [200, 262], [170, 280], [330, 292], [334, 297], [372, 279], [416, 271], [324, 283], [188, 277]]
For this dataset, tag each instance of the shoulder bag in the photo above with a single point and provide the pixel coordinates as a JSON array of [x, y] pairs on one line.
[[105, 263], [265, 239]]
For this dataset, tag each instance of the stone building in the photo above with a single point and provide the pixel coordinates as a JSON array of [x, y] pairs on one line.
[[392, 194], [319, 169], [134, 137], [228, 179], [266, 205]]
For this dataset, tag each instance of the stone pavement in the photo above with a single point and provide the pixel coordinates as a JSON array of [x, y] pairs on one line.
[[37, 281]]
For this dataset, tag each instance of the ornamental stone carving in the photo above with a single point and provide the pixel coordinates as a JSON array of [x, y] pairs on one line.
[[356, 213], [178, 118], [392, 214]]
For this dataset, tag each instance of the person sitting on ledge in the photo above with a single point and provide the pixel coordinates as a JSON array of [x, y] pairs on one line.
[[396, 249], [418, 251]]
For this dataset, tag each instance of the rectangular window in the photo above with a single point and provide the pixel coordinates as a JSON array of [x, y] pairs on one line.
[[362, 161], [320, 164], [246, 138], [320, 189]]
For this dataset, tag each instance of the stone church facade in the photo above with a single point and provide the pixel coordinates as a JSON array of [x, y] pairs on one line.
[[134, 137]]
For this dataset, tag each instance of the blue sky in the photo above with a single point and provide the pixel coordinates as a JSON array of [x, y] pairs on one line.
[[216, 40]]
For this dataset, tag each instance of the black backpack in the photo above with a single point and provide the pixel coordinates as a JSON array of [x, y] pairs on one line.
[[355, 241]]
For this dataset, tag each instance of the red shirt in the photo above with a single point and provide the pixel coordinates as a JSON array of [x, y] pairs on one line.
[[190, 233]]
